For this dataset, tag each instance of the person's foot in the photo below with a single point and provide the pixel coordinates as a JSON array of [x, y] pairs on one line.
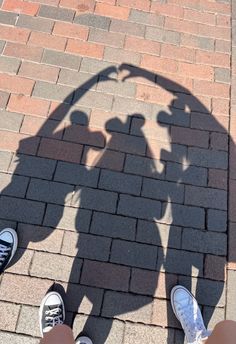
[[83, 340], [8, 246], [188, 313], [51, 312]]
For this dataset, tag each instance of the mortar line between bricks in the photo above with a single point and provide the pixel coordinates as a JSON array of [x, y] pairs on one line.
[[21, 333], [102, 302], [31, 262], [13, 156], [62, 240], [81, 270], [23, 118], [65, 51], [18, 317], [27, 186], [124, 164]]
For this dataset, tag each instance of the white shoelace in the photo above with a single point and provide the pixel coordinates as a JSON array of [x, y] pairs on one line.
[[194, 328], [53, 317], [4, 250]]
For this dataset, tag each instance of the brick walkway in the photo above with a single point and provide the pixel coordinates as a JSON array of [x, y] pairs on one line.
[[114, 163]]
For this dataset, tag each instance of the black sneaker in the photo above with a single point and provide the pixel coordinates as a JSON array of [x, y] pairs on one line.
[[51, 312], [8, 246]]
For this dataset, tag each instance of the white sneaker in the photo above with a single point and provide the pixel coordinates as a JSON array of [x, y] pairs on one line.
[[8, 246], [188, 313], [83, 340], [51, 312]]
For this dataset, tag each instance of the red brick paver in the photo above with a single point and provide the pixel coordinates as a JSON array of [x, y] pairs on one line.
[[117, 162]]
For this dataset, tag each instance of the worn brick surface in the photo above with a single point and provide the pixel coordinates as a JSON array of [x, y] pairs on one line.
[[202, 289], [230, 295], [40, 238], [60, 59], [7, 18], [35, 23], [117, 177], [60, 150], [5, 159], [195, 240], [207, 158], [10, 314], [64, 218], [95, 199], [141, 333], [27, 318], [54, 92], [2, 43], [26, 289], [28, 105], [23, 51], [159, 189], [128, 28], [47, 265], [30, 166], [216, 220], [56, 13], [86, 246], [134, 254], [97, 326], [9, 65], [215, 267], [105, 275], [10, 121], [13, 185], [76, 174], [97, 21], [183, 215], [116, 304], [40, 190], [183, 262], [138, 207], [113, 226], [17, 338], [210, 198], [158, 234], [21, 210], [22, 262], [70, 78], [19, 6], [120, 182], [4, 96]]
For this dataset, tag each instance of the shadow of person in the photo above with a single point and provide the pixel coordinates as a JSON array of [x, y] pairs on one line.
[[194, 156], [111, 240], [38, 207]]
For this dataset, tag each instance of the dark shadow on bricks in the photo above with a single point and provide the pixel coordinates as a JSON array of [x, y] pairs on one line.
[[133, 209]]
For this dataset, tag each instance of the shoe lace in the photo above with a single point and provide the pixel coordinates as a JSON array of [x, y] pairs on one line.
[[53, 317], [192, 324], [4, 251]]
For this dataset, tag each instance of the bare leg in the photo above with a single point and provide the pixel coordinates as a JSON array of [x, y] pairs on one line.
[[60, 334], [223, 333]]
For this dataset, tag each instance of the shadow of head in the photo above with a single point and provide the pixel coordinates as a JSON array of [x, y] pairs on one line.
[[79, 117]]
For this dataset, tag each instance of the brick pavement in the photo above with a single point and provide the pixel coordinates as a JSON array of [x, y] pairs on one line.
[[114, 163]]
